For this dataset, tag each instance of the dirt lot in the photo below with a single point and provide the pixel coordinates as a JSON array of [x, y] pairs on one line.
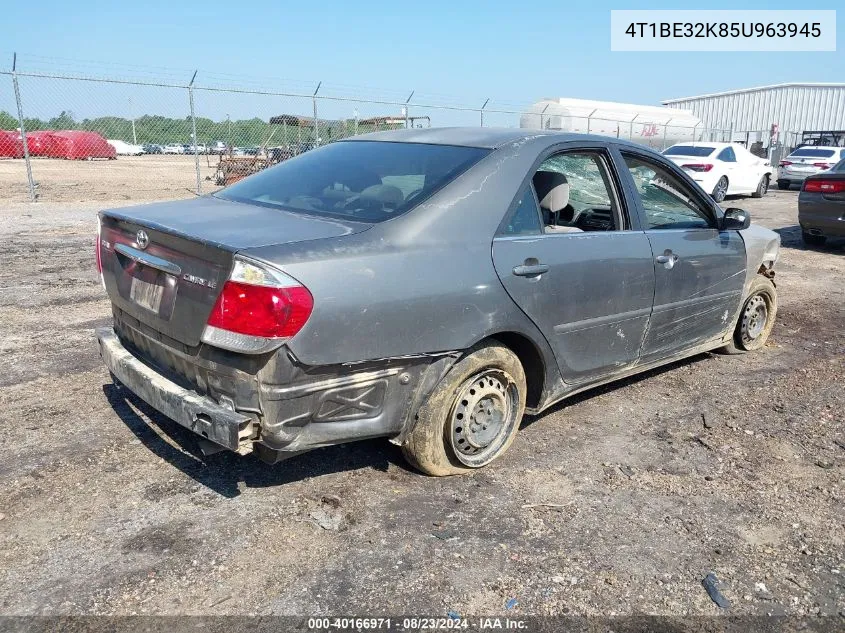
[[619, 501], [129, 178]]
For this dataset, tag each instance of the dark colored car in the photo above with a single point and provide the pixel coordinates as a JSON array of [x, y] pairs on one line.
[[821, 206], [152, 148], [278, 154], [429, 286], [305, 146]]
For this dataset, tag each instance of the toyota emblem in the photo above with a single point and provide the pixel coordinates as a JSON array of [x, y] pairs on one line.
[[143, 239]]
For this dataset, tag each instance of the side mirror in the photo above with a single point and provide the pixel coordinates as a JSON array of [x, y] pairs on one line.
[[735, 220]]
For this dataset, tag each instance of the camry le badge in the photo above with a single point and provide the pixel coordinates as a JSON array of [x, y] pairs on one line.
[[193, 279]]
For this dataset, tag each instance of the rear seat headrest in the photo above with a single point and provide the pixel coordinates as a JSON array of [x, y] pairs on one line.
[[552, 190]]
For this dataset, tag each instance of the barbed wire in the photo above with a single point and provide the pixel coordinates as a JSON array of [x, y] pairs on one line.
[[120, 72]]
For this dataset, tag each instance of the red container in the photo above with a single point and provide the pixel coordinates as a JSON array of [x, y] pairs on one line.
[[78, 145], [11, 146], [39, 143]]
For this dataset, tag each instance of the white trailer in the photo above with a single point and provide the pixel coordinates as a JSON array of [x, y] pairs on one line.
[[655, 126]]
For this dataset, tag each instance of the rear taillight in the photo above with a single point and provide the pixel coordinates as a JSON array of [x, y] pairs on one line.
[[785, 163], [822, 165], [824, 186], [260, 310], [257, 310], [698, 166]]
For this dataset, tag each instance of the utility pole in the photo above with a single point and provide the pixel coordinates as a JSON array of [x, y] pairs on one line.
[[316, 124], [194, 133], [406, 108], [132, 117]]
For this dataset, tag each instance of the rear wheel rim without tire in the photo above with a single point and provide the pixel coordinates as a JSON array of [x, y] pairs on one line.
[[721, 189], [755, 318], [483, 417]]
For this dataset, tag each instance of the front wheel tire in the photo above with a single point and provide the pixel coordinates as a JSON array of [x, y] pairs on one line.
[[756, 319], [472, 416]]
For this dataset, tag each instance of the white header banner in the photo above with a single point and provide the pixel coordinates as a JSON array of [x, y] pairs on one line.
[[706, 30]]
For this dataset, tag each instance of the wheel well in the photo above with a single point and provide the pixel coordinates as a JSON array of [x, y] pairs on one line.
[[532, 363]]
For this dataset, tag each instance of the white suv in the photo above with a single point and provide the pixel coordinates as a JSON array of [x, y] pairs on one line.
[[806, 161]]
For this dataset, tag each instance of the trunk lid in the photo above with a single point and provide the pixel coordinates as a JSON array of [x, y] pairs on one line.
[[164, 264]]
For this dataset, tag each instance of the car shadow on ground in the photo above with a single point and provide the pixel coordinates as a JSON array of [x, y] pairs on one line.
[[225, 472], [528, 420], [790, 237]]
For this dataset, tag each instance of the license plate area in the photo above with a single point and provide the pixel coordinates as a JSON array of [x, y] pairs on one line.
[[145, 294], [152, 290]]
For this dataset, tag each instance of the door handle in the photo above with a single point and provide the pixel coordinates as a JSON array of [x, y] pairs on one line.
[[668, 259], [532, 270]]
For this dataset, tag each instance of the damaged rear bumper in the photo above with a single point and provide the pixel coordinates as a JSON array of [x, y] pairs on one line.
[[300, 408], [202, 415]]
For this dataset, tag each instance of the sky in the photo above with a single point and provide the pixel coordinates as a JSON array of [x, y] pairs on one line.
[[451, 52]]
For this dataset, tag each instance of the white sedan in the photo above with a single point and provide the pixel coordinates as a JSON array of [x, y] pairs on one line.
[[723, 169], [122, 148], [807, 160], [173, 148]]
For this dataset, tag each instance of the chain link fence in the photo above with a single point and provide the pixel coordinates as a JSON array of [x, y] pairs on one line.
[[80, 138], [764, 144]]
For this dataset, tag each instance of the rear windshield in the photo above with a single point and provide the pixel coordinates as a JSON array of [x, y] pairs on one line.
[[689, 150], [813, 153], [367, 181], [839, 167]]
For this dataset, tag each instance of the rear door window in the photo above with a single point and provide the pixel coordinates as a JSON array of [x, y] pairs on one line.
[[589, 202]]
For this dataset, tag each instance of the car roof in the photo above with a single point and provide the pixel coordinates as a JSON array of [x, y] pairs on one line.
[[714, 144], [484, 137]]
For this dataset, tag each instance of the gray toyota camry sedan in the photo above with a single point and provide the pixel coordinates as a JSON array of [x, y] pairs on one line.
[[429, 286]]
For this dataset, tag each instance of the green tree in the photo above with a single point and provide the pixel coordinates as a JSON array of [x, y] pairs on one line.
[[62, 122]]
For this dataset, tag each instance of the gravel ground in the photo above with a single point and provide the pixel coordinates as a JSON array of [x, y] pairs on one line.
[[618, 501]]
